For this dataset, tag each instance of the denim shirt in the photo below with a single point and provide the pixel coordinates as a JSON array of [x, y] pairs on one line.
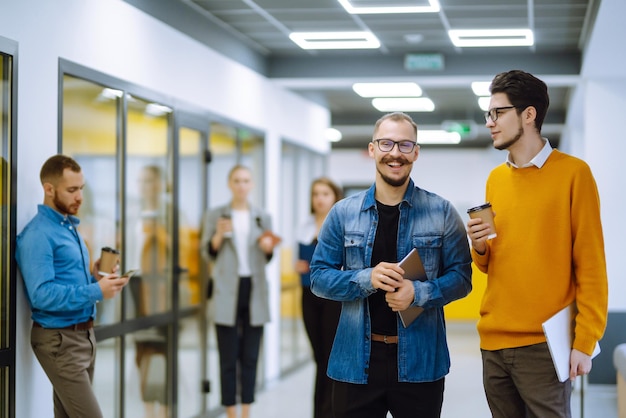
[[54, 262], [341, 270]]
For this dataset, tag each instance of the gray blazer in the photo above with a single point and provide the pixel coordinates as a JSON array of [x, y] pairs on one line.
[[224, 271]]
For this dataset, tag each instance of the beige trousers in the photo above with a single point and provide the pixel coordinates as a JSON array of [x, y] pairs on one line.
[[68, 358]]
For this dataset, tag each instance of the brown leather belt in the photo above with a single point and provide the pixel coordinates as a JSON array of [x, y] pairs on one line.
[[387, 339], [83, 326]]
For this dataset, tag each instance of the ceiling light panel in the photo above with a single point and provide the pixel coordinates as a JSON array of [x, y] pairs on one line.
[[335, 40], [491, 37], [387, 89], [437, 137], [483, 103], [481, 88], [352, 7], [403, 104]]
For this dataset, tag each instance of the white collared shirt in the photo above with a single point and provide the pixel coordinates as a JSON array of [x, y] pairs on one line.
[[539, 160]]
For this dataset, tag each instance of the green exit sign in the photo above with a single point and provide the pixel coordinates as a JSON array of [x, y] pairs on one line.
[[432, 61]]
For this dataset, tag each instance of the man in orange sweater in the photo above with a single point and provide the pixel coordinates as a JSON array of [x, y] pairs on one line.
[[548, 254]]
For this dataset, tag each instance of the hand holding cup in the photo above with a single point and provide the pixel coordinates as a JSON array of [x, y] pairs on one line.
[[485, 213], [109, 259], [225, 225]]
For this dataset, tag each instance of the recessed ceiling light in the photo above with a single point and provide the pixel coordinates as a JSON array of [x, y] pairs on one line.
[[387, 89], [414, 38], [335, 40], [111, 94], [155, 109], [403, 104], [481, 88], [433, 6], [436, 136], [483, 103], [491, 37], [333, 135]]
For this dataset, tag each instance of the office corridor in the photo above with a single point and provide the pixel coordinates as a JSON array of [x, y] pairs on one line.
[[463, 398]]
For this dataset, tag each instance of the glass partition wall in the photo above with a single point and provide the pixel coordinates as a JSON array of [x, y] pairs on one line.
[[151, 171], [299, 167], [7, 232], [229, 146]]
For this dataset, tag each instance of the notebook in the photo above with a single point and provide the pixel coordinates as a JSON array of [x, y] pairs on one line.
[[558, 331], [413, 270]]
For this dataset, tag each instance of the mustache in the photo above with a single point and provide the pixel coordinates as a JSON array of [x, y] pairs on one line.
[[390, 159]]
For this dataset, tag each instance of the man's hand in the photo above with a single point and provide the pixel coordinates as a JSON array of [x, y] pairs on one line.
[[478, 231], [112, 284], [402, 298], [387, 276], [579, 364]]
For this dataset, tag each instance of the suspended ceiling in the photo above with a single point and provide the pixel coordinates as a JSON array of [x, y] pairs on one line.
[[256, 33]]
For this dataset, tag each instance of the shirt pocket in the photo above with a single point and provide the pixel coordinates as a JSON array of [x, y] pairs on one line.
[[429, 248], [354, 248]]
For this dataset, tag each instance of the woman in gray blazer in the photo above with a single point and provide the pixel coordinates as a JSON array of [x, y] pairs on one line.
[[236, 241]]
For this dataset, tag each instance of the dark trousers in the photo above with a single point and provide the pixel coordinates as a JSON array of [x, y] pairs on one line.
[[383, 393], [522, 383], [238, 348], [68, 358], [320, 321]]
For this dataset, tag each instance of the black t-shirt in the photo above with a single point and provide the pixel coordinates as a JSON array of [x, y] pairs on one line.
[[384, 320]]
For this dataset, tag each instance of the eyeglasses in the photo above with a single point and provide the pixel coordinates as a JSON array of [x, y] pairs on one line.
[[386, 145], [494, 112]]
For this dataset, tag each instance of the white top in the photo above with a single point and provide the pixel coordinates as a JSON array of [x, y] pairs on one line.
[[307, 231], [241, 232]]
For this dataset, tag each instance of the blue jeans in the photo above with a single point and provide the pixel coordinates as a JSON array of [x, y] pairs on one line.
[[238, 348]]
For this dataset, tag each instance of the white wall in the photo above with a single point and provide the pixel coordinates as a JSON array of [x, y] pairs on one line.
[[113, 37], [603, 105], [605, 149]]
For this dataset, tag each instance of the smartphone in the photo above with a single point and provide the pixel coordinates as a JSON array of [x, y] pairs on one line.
[[129, 273]]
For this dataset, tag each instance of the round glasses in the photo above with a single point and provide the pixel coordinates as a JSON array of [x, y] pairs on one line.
[[386, 145]]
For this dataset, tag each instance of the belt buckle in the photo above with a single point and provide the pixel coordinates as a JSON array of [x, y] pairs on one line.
[[385, 339]]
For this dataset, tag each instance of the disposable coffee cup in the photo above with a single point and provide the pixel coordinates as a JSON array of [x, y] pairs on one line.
[[485, 213], [109, 258]]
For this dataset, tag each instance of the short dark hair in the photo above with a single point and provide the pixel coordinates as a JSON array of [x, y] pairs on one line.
[[52, 169], [328, 182], [523, 89], [398, 117]]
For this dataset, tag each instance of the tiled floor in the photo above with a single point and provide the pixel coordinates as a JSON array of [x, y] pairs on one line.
[[291, 396]]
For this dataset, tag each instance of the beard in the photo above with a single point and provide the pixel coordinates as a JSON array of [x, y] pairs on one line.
[[65, 209], [393, 181], [506, 144]]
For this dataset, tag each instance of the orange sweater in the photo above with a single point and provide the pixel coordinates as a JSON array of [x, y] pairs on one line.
[[548, 253]]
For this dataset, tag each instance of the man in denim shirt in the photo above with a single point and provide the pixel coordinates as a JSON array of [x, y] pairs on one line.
[[377, 365], [62, 294]]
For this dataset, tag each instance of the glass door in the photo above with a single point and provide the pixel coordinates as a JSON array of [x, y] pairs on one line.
[[190, 195]]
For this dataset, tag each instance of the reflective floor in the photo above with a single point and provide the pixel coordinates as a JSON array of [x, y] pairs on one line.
[[291, 396]]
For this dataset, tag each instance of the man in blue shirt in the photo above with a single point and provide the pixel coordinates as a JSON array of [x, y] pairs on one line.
[[377, 365], [62, 293]]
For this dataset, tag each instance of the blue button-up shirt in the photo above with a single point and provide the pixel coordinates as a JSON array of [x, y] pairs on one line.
[[341, 270], [54, 263]]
